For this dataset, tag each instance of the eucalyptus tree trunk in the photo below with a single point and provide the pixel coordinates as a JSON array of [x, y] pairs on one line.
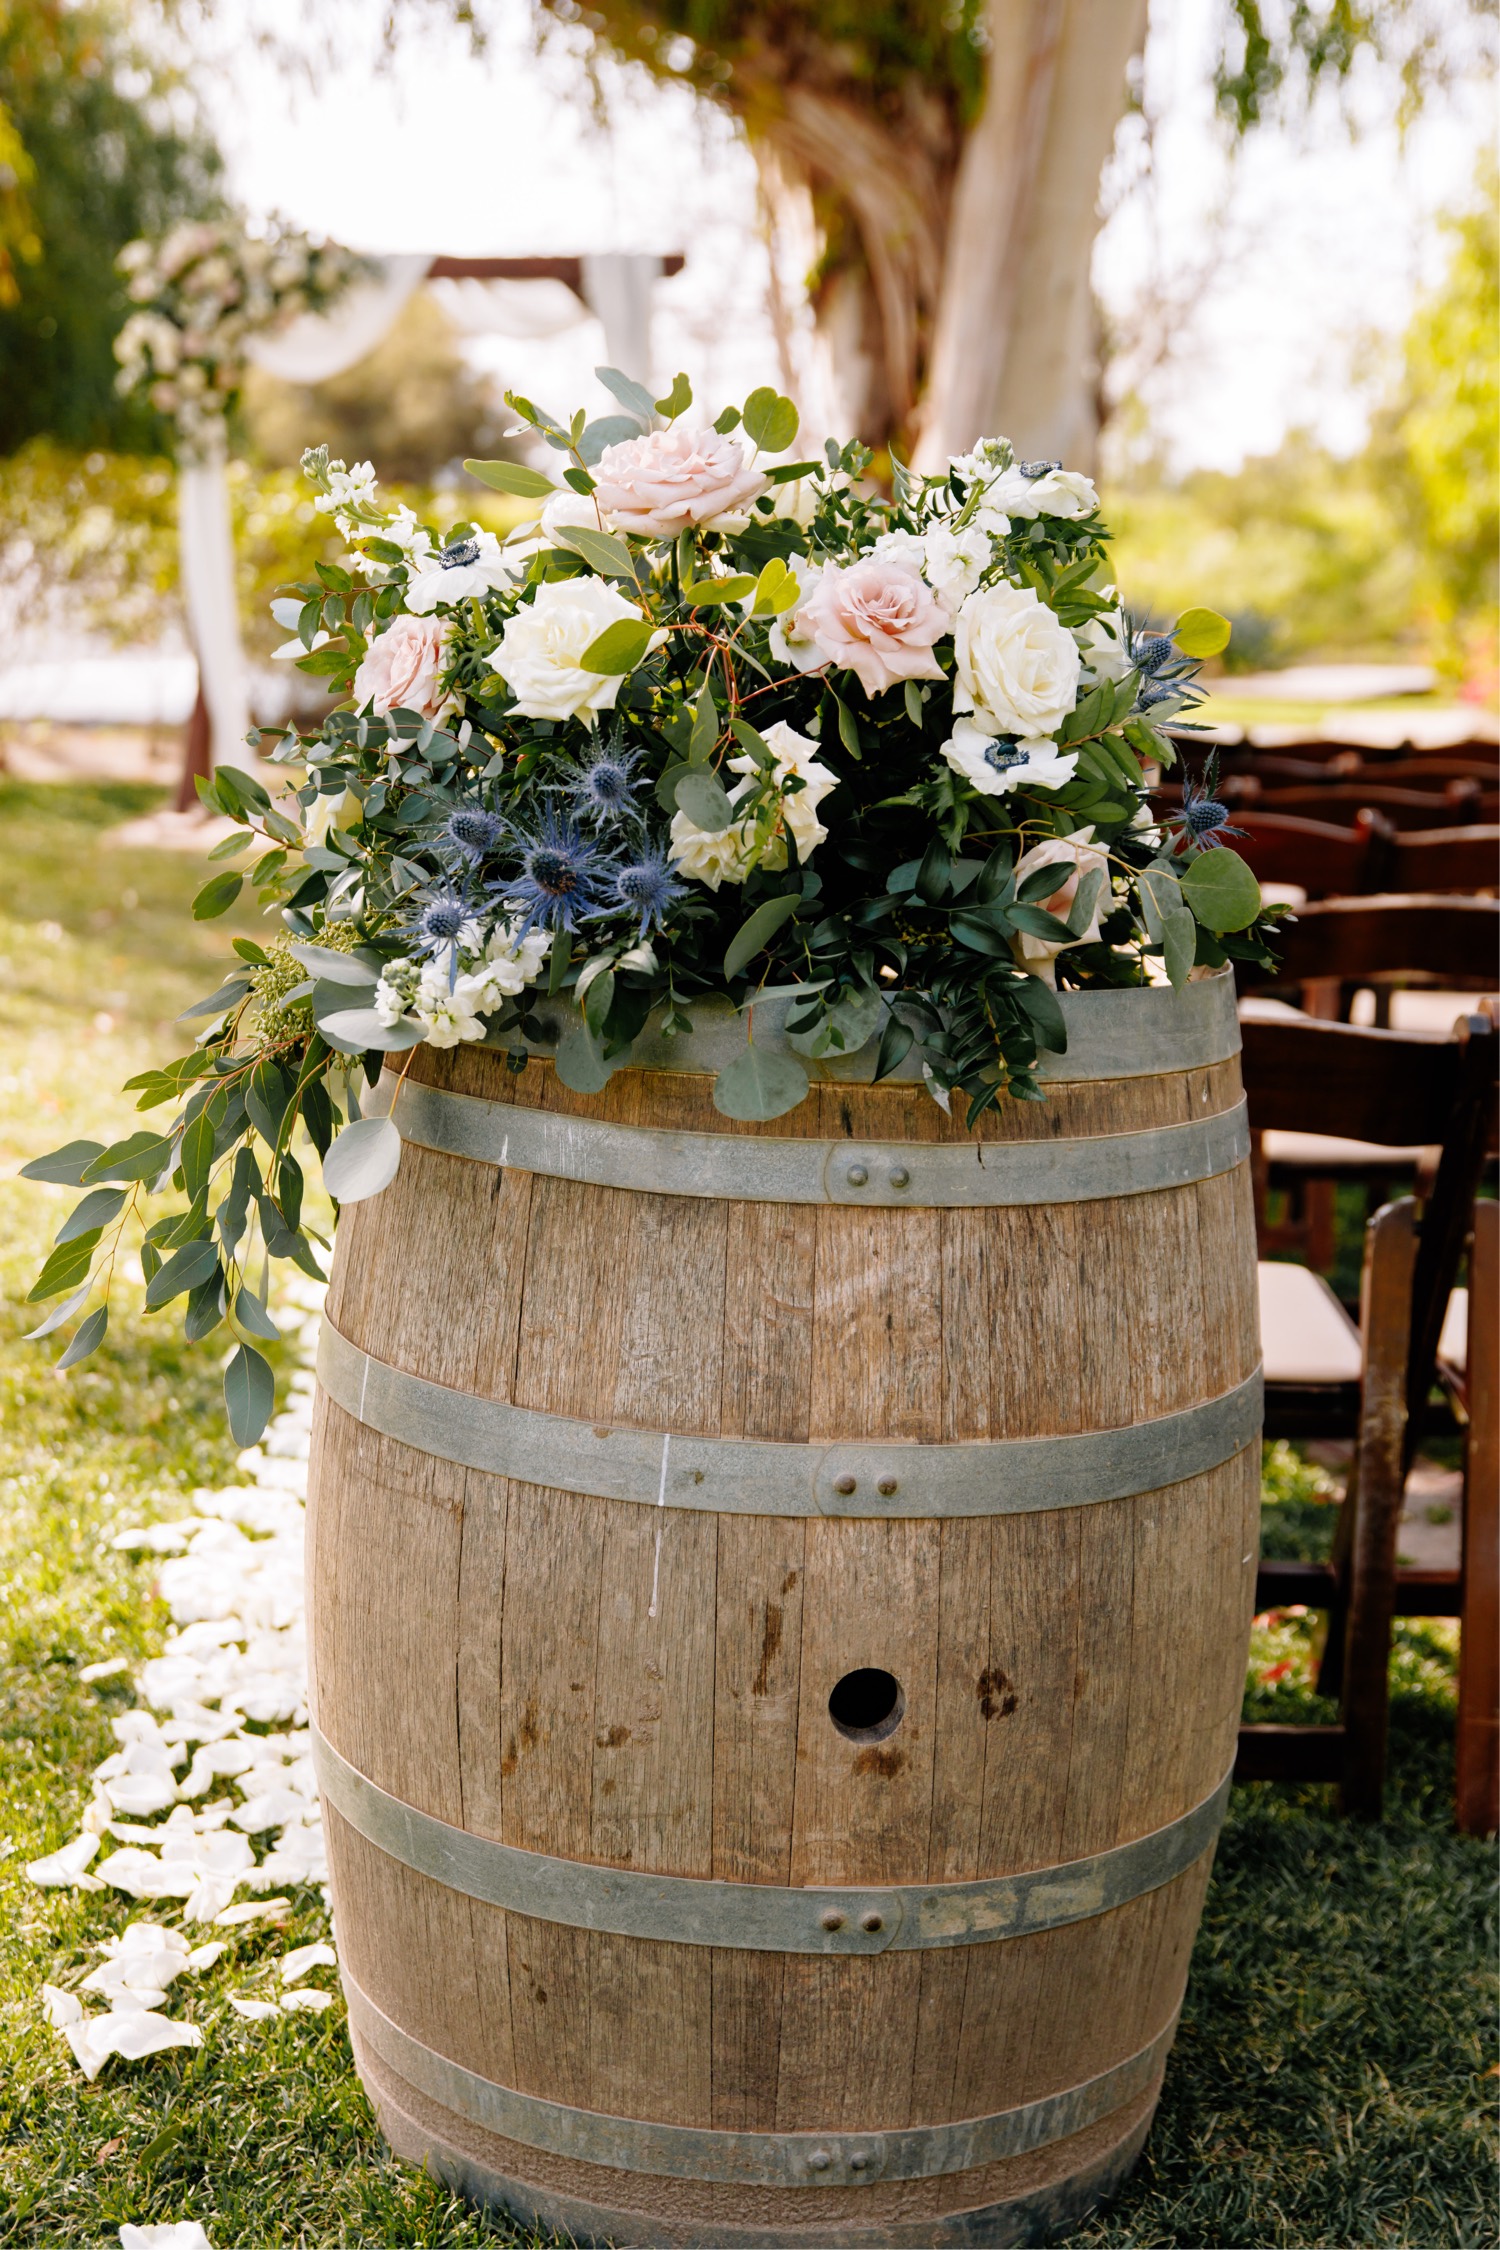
[[1013, 346], [950, 293]]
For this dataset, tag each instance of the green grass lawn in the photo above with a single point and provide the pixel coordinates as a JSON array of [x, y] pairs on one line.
[[1333, 2082]]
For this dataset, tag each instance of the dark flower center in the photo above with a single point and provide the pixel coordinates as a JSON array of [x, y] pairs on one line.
[[461, 552], [1031, 470], [1002, 755], [443, 919], [553, 872]]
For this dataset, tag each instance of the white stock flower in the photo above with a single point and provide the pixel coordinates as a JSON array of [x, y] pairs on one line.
[[1017, 667], [539, 651], [952, 562], [568, 510], [796, 755], [468, 567], [994, 765]]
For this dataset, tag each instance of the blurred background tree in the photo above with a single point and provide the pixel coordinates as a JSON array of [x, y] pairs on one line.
[[99, 143], [933, 166]]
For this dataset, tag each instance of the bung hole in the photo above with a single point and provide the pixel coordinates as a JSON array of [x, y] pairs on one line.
[[867, 1705]]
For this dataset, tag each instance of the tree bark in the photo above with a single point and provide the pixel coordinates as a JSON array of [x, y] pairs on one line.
[[1013, 349]]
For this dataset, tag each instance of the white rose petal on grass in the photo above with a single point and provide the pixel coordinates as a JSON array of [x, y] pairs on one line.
[[67, 1870], [151, 1539], [308, 2000], [176, 2234], [254, 2011], [106, 1670], [62, 2007], [303, 1958], [132, 2033], [234, 1916], [539, 652]]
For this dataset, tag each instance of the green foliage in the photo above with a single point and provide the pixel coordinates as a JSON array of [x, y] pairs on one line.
[[1275, 59], [1441, 437], [113, 152]]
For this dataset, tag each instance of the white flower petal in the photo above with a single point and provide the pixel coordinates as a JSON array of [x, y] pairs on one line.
[[302, 1958], [307, 1998], [65, 1870], [256, 2011]]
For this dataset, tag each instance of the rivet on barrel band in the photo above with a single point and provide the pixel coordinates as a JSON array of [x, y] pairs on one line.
[[783, 2160], [763, 1917], [755, 1168], [761, 1477]]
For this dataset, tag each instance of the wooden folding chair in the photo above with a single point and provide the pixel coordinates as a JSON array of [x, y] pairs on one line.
[[1334, 949], [1457, 803], [1443, 859], [1325, 1378], [1469, 1365], [1315, 857]]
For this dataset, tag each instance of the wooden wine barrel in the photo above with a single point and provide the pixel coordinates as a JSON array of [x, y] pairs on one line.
[[779, 1606]]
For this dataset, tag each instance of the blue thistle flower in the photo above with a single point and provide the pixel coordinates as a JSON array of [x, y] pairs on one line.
[[1168, 679], [563, 877], [1204, 816], [472, 832], [436, 923], [1153, 651], [604, 790], [648, 886]]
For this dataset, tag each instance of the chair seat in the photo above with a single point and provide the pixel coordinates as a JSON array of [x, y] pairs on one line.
[[1453, 1344], [1306, 1335], [1330, 1152]]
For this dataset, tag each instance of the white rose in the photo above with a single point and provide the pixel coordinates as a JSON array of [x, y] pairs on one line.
[[1017, 667], [1060, 492], [716, 855], [568, 510], [539, 651], [468, 567], [995, 765], [1074, 856]]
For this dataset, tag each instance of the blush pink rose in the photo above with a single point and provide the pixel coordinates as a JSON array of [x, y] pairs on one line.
[[660, 484], [878, 619], [401, 671]]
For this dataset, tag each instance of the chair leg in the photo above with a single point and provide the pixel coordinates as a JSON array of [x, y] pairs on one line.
[[1478, 1760], [1331, 1665], [1385, 1326]]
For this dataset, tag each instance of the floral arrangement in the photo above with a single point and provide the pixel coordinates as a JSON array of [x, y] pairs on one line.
[[203, 291], [718, 727]]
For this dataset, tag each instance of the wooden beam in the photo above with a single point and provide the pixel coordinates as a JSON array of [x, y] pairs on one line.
[[1270, 1753], [567, 270]]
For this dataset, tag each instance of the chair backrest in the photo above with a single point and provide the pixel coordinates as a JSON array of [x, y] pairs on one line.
[[1321, 859], [1449, 941], [1444, 859], [1396, 1089], [1457, 802], [1264, 743]]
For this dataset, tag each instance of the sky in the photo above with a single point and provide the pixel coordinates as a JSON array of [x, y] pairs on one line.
[[1287, 266]]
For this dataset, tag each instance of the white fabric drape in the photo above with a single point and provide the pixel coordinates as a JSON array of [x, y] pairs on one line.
[[205, 547], [617, 287]]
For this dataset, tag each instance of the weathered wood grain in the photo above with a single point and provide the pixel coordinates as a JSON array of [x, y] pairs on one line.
[[649, 1689]]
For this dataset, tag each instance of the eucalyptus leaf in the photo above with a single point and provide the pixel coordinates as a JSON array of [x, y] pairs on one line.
[[65, 1166], [700, 794], [1201, 632], [249, 1394], [334, 968], [579, 1061], [636, 400], [856, 1018], [1085, 900], [600, 550], [1179, 945], [141, 1156], [705, 729], [217, 896], [754, 934], [87, 1338], [59, 1314], [771, 423], [1161, 895], [759, 1084], [511, 476], [362, 1160], [354, 1031], [618, 649], [609, 429], [184, 1270], [95, 1211], [1221, 890], [229, 995]]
